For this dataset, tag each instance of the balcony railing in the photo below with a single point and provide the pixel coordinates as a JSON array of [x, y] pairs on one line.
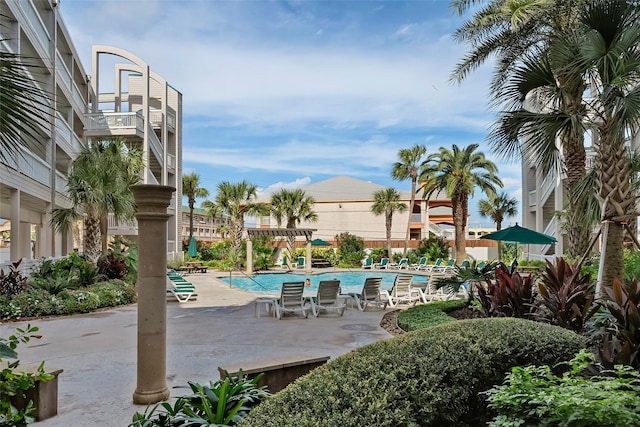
[[67, 137], [40, 29], [33, 167], [114, 121], [131, 226], [155, 117], [171, 161], [416, 217], [532, 198], [61, 182], [65, 76], [171, 120]]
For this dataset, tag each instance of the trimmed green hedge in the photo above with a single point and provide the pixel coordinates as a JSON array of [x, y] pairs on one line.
[[430, 377], [427, 315]]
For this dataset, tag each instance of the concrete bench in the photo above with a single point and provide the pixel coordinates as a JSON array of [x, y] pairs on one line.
[[279, 372], [44, 394]]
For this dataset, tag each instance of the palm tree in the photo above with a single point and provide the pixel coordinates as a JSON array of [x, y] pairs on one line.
[[191, 188], [519, 34], [386, 202], [407, 167], [458, 171], [497, 207], [24, 107], [236, 200], [292, 207], [97, 186]]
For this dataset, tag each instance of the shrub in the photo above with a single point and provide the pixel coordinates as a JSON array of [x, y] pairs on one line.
[[621, 344], [13, 282], [430, 377], [113, 293], [80, 301], [350, 249], [510, 295], [535, 396], [112, 266], [567, 295], [37, 302], [427, 315]]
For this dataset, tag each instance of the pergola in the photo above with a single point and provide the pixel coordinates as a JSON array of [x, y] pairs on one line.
[[278, 232]]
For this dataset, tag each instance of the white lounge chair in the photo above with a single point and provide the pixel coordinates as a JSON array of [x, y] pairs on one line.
[[420, 264], [370, 294], [183, 291], [367, 263], [402, 292], [327, 298], [384, 263], [404, 263], [302, 262], [430, 267], [291, 300], [431, 293]]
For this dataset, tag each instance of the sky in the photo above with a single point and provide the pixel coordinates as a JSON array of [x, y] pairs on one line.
[[289, 93]]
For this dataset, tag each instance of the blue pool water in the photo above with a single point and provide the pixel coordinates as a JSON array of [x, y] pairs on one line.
[[271, 283]]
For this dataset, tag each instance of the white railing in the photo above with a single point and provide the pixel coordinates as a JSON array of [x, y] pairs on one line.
[[78, 97], [123, 225], [171, 161], [9, 158], [151, 179], [34, 19], [532, 198], [547, 185], [171, 120], [155, 145], [155, 117], [63, 71], [61, 182], [33, 167], [416, 217], [67, 135], [104, 121]]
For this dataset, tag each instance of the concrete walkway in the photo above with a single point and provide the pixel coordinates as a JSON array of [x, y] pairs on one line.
[[98, 351]]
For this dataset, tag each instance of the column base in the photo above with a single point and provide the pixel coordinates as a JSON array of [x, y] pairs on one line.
[[149, 397]]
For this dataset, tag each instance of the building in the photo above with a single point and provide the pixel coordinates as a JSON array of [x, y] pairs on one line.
[[148, 113], [343, 204], [204, 226]]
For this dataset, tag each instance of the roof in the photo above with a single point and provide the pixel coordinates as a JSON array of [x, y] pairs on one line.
[[344, 188], [196, 211]]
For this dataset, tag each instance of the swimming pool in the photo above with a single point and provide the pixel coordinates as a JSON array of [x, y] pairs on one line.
[[271, 283]]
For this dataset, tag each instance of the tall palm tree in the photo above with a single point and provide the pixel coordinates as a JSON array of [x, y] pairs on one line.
[[292, 207], [191, 188], [459, 171], [97, 186], [24, 107], [516, 32], [236, 200], [407, 167], [497, 207], [386, 202]]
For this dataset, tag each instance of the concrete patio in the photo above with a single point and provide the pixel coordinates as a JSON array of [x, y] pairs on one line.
[[98, 351]]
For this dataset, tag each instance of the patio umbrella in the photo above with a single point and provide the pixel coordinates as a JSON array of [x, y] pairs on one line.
[[320, 242], [193, 251], [517, 234]]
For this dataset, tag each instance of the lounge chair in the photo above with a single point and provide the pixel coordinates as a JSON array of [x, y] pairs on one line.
[[431, 293], [465, 264], [384, 263], [404, 263], [370, 294], [402, 292], [182, 291], [430, 267], [447, 268], [367, 263], [420, 264], [327, 298], [301, 262], [291, 300]]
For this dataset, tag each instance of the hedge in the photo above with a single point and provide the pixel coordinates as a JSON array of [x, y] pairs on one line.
[[427, 315], [430, 377]]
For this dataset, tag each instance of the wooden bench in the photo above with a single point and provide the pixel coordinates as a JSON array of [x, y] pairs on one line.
[[44, 394], [279, 372]]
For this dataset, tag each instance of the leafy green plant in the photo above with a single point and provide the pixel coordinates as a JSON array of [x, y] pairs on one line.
[[470, 276], [37, 302], [14, 383], [621, 343], [510, 295], [350, 249], [13, 282], [220, 403], [568, 295], [427, 315], [433, 248], [535, 396]]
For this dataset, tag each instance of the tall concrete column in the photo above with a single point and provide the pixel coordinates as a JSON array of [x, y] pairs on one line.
[[308, 262], [152, 216], [15, 252], [249, 256]]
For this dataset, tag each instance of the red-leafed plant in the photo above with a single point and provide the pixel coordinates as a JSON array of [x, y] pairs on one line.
[[621, 344], [568, 296], [511, 295]]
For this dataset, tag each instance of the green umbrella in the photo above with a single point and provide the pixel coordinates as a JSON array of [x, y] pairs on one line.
[[517, 234], [320, 242], [193, 251]]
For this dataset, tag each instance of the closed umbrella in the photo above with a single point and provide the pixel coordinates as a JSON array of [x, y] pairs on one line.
[[517, 234], [193, 251]]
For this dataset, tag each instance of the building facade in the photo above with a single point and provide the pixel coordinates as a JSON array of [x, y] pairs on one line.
[[205, 228], [33, 178]]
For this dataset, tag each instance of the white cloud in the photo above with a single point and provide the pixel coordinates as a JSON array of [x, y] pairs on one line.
[[300, 182]]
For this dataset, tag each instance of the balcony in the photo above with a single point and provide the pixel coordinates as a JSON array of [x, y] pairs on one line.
[[114, 123], [28, 164], [66, 138], [41, 32]]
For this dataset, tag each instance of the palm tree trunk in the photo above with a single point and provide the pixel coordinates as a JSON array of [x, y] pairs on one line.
[[104, 230], [413, 200], [388, 221], [190, 220], [460, 219], [92, 237]]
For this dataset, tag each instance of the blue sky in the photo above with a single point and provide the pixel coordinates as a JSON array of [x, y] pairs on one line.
[[286, 94]]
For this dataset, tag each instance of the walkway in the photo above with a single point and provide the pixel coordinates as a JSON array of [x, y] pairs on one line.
[[98, 351]]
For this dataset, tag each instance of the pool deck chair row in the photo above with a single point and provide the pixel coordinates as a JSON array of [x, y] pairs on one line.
[[402, 291], [370, 295], [327, 298], [291, 300]]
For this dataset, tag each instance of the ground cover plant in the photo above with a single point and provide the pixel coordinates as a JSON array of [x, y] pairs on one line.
[[427, 315], [430, 377], [534, 395]]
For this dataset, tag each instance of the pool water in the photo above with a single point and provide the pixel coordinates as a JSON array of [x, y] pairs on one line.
[[271, 283]]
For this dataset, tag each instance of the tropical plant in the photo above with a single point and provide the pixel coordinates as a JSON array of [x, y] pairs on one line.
[[292, 207], [236, 201], [433, 248], [539, 102], [497, 207], [534, 395], [458, 172], [13, 282], [191, 188], [621, 343], [221, 403], [408, 167], [510, 295], [468, 276], [386, 202], [568, 295], [350, 249], [98, 185]]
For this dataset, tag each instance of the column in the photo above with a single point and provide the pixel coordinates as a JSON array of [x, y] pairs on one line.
[[152, 216], [14, 250], [249, 256], [308, 262]]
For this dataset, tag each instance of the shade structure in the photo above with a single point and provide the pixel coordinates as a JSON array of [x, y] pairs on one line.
[[193, 251], [320, 242], [517, 234]]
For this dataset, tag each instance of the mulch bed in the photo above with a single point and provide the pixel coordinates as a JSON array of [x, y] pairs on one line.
[[389, 321]]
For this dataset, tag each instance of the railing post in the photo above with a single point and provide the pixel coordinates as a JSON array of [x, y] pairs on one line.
[[152, 216]]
